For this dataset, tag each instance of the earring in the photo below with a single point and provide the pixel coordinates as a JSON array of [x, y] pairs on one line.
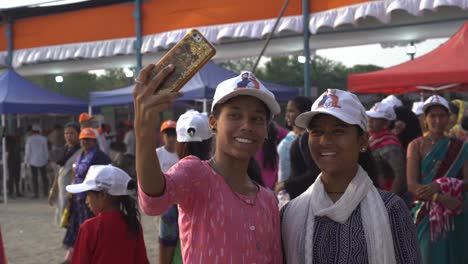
[[363, 149], [213, 129]]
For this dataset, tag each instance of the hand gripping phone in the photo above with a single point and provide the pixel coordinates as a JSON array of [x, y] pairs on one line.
[[188, 56]]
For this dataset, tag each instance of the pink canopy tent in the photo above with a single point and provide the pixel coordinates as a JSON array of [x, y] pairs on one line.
[[444, 67]]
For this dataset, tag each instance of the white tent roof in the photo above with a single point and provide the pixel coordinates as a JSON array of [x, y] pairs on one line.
[[386, 22]]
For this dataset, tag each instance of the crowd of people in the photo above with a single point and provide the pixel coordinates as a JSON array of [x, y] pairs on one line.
[[339, 184]]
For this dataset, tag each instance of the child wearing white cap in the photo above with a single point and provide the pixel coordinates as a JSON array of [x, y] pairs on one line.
[[437, 174], [225, 216], [343, 217], [115, 234], [194, 138]]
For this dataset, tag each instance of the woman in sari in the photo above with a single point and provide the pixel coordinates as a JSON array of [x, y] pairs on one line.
[[437, 173], [78, 210], [57, 194]]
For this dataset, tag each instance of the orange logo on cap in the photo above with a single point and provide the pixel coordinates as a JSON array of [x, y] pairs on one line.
[[330, 99], [87, 133]]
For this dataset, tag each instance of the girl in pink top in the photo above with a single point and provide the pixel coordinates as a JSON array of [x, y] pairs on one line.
[[224, 216]]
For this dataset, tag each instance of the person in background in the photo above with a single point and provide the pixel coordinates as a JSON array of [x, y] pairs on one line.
[[115, 234], [77, 209], [105, 138], [37, 156], [407, 126], [72, 150], [225, 216], [457, 111], [85, 121], [304, 170], [3, 258], [129, 138], [417, 110], [343, 217], [386, 149], [393, 101], [267, 157], [437, 175], [294, 107], [194, 137], [167, 153], [464, 123], [57, 142], [14, 166]]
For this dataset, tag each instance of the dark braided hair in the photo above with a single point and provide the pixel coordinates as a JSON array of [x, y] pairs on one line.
[[129, 210], [270, 154]]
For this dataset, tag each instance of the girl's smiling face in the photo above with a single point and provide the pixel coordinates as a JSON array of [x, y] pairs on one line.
[[334, 144], [241, 126]]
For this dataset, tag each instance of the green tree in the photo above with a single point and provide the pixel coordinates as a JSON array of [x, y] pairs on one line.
[[363, 68], [80, 84], [243, 64]]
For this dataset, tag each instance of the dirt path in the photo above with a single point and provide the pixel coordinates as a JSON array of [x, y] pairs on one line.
[[31, 237]]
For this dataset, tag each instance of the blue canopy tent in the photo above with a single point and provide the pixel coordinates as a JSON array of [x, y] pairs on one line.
[[20, 96], [200, 87]]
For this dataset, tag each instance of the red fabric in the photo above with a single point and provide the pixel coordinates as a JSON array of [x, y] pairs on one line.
[[441, 218], [383, 138], [442, 66], [107, 239], [2, 250]]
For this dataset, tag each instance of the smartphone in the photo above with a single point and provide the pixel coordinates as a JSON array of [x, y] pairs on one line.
[[188, 56]]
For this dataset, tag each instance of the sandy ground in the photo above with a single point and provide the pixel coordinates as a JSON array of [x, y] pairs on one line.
[[30, 236]]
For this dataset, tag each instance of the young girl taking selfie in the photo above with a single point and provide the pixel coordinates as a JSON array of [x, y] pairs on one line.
[[224, 216]]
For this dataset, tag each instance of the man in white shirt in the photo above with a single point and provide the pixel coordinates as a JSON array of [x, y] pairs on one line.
[[167, 153], [37, 157], [129, 139]]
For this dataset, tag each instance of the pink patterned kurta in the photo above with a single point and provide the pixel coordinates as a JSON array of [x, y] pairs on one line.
[[216, 224]]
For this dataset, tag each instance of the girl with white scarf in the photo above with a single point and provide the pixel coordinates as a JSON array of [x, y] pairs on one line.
[[343, 217]]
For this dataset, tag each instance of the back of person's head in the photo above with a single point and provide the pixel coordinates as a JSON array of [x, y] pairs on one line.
[[194, 135], [412, 126], [302, 103], [116, 183]]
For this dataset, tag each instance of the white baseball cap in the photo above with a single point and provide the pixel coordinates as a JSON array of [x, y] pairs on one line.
[[338, 103], [418, 108], [105, 178], [245, 84], [392, 100], [382, 110], [435, 100], [36, 127], [193, 126]]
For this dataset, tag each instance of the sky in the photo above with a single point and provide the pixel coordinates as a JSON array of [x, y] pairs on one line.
[[375, 54]]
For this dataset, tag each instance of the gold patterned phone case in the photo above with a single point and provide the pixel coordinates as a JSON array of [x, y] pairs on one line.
[[188, 56]]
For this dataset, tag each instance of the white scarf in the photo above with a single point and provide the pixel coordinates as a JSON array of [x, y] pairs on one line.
[[315, 202]]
